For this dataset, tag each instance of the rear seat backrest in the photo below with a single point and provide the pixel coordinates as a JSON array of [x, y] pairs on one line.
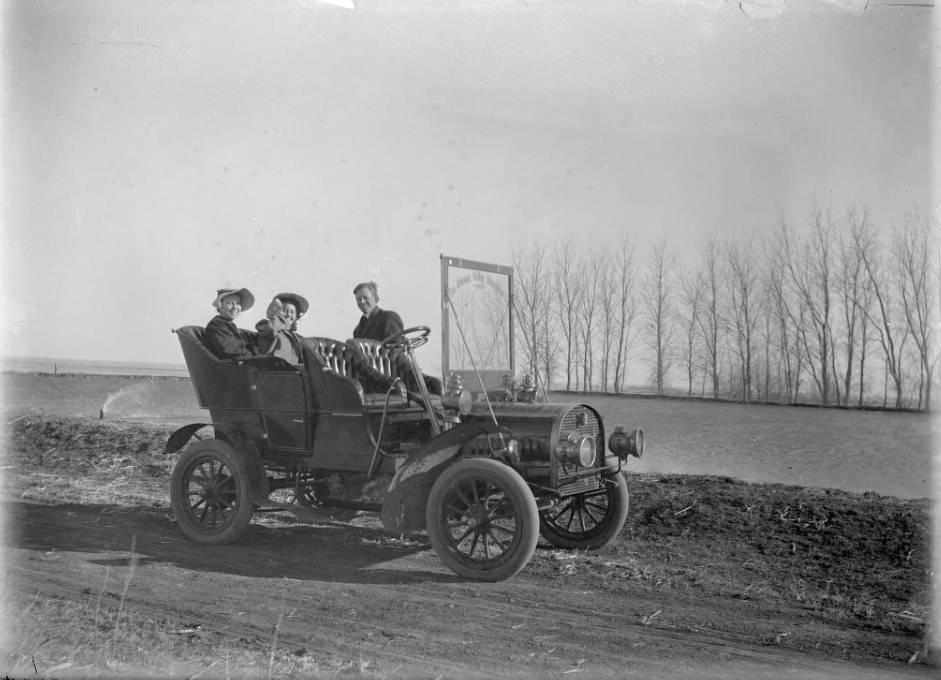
[[218, 383], [193, 338], [344, 358], [351, 360], [336, 354], [376, 355]]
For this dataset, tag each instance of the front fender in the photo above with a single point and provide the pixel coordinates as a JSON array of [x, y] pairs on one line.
[[403, 510]]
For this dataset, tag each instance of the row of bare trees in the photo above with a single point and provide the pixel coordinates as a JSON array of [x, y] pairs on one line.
[[836, 312]]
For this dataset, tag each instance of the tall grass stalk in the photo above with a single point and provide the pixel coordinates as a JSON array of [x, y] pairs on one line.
[[127, 584], [25, 611], [274, 644], [98, 609]]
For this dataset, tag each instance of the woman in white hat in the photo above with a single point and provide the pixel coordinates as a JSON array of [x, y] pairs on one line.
[[223, 337]]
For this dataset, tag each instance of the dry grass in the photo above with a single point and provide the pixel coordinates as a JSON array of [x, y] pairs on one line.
[[87, 462], [61, 638]]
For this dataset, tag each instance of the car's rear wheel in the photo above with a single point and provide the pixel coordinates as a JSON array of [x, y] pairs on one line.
[[210, 492], [588, 521], [482, 519]]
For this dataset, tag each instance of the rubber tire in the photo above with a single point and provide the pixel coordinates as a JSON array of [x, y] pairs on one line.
[[463, 477], [608, 520], [223, 461]]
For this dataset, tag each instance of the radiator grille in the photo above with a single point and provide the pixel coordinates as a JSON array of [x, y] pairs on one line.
[[580, 421]]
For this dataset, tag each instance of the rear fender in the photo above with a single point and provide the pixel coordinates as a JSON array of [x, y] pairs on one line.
[[178, 439], [403, 510]]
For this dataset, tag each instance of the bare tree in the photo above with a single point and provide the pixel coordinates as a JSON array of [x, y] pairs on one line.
[[892, 331], [590, 283], [742, 316], [912, 249], [658, 304], [710, 321], [854, 291], [848, 282], [766, 337], [607, 309], [566, 287], [532, 303], [623, 282], [777, 310], [865, 305], [789, 314], [690, 309], [809, 261]]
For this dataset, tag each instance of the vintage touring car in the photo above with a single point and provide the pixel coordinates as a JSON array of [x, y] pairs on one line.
[[485, 467]]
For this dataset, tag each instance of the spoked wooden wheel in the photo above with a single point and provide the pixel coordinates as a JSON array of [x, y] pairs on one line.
[[588, 521], [210, 492], [482, 519]]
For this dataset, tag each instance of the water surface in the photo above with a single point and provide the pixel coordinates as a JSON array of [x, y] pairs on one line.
[[886, 452]]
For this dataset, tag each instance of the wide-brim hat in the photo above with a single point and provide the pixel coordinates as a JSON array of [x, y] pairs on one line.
[[244, 294], [298, 301]]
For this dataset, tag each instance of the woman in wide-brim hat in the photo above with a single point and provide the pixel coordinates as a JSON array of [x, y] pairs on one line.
[[277, 332], [223, 337], [246, 299], [299, 302]]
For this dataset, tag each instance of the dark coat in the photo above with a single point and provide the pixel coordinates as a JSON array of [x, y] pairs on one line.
[[379, 326], [228, 341]]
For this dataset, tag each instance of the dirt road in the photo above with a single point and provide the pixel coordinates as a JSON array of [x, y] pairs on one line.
[[340, 594]]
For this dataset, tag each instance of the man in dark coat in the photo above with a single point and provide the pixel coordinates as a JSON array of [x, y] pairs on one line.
[[379, 324], [374, 324]]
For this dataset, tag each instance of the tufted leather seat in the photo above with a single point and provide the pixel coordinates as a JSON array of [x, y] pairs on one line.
[[379, 358], [338, 356], [370, 367]]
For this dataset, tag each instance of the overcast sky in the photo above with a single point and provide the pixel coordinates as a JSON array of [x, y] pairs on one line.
[[157, 151]]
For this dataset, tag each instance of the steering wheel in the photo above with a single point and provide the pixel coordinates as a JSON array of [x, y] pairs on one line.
[[410, 338]]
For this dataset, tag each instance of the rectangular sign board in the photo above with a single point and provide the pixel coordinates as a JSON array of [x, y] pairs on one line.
[[477, 323]]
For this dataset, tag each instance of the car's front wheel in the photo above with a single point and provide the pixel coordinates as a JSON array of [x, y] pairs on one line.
[[210, 492], [587, 521], [482, 519]]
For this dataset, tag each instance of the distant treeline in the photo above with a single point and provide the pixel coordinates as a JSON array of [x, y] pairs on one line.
[[840, 313]]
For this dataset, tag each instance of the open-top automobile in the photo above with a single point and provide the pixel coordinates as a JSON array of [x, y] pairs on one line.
[[482, 460]]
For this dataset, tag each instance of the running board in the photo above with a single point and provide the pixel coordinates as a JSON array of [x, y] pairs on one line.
[[309, 513]]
